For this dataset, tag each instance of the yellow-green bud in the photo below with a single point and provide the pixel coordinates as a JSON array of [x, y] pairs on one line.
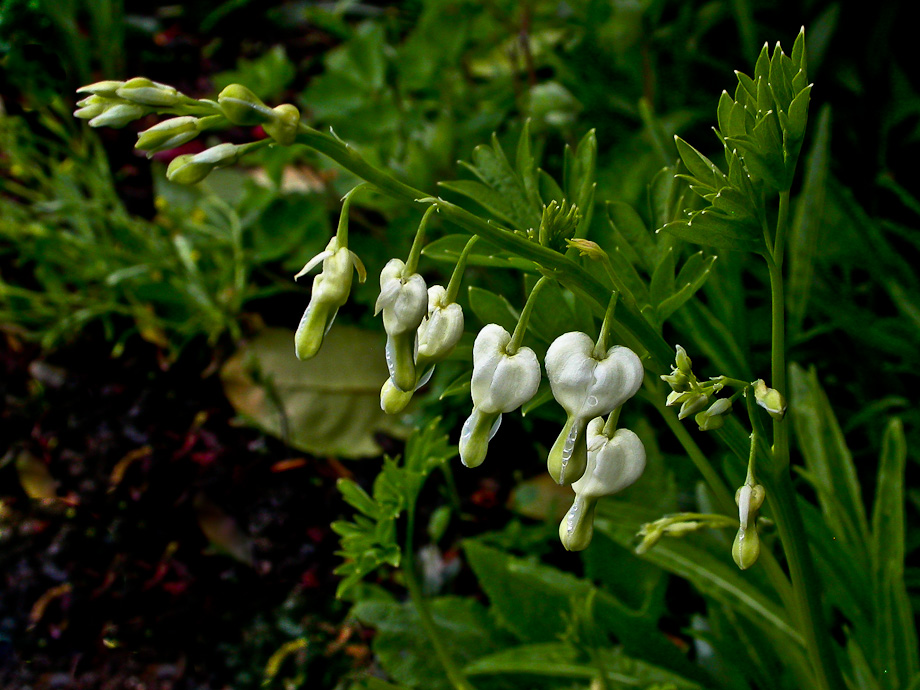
[[102, 88], [769, 399], [746, 548], [143, 91], [118, 115], [684, 365], [242, 107], [189, 169], [168, 134], [392, 399], [711, 418], [283, 128], [693, 404]]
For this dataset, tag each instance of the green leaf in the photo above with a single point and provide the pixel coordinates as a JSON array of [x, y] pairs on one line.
[[328, 405], [491, 166], [713, 229], [691, 278], [662, 285], [712, 577], [404, 650], [828, 461], [501, 206], [449, 248], [809, 213], [540, 615], [699, 165], [267, 76], [895, 630], [491, 308], [358, 497], [525, 163], [578, 173], [627, 222]]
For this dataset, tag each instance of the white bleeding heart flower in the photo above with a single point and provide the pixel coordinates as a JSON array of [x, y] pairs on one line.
[[440, 330], [330, 291], [502, 382], [614, 463], [404, 301], [586, 386]]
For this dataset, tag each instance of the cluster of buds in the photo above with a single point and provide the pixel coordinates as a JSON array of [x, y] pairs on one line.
[[615, 462], [695, 397], [677, 525], [746, 547], [116, 103]]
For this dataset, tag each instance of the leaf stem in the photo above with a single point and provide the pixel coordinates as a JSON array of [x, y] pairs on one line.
[[521, 328], [419, 601]]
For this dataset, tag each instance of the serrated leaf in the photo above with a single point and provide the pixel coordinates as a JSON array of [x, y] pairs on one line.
[[709, 228], [358, 498], [491, 166], [449, 248], [499, 205], [491, 308]]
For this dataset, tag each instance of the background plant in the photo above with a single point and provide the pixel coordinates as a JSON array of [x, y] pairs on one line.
[[717, 327]]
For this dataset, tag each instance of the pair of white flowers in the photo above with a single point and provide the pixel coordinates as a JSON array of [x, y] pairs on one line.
[[595, 460]]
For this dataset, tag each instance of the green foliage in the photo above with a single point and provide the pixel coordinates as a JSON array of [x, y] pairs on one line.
[[370, 541]]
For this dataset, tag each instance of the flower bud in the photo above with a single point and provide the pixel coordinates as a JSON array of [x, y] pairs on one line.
[[684, 365], [146, 92], [109, 89], [403, 300], [677, 380], [393, 400], [90, 108], [283, 127], [693, 403], [168, 134], [189, 169], [117, 115], [501, 383], [711, 418], [585, 387], [242, 107], [441, 329], [769, 399], [746, 548], [330, 291]]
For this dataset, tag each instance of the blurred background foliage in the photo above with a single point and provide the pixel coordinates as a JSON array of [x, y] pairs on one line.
[[101, 258]]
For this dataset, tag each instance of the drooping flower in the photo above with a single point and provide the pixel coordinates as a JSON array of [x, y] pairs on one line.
[[586, 386], [403, 300], [502, 382], [613, 464]]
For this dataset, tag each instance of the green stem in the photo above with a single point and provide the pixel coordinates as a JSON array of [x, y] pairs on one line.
[[418, 242], [600, 349], [420, 602], [342, 230], [781, 493], [453, 287], [518, 336]]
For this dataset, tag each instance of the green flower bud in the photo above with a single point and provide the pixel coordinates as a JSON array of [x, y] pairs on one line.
[[769, 399], [146, 92], [693, 404], [393, 400], [711, 419], [746, 548], [283, 128], [90, 109], [684, 365], [677, 380], [242, 107], [189, 169], [108, 89], [118, 115], [168, 134]]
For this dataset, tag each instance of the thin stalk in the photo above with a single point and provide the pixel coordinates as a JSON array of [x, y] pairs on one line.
[[518, 336], [453, 287], [782, 494], [600, 349], [418, 242], [453, 672]]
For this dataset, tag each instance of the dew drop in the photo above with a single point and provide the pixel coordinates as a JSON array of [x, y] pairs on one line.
[[390, 356], [592, 400], [467, 428]]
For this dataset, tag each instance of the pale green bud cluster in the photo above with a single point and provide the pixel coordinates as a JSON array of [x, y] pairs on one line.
[[769, 399], [502, 381], [586, 385], [746, 547], [614, 463], [678, 525], [694, 396], [116, 103], [242, 107]]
